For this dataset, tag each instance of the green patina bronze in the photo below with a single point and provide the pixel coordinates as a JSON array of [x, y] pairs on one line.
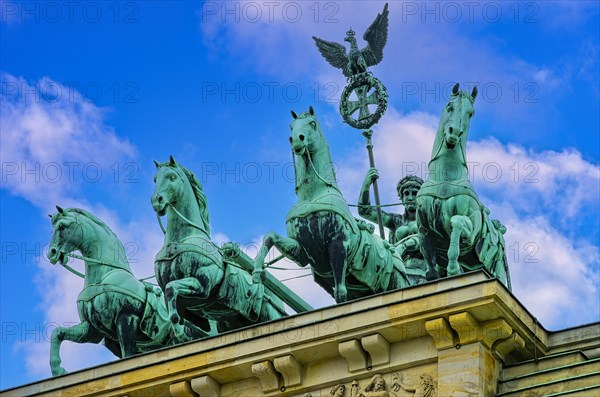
[[403, 227], [457, 234], [114, 306], [362, 85], [206, 289], [198, 284], [347, 260]]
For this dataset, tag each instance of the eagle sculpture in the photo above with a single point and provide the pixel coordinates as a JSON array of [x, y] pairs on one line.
[[357, 61]]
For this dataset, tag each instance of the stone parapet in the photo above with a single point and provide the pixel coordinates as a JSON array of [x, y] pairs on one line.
[[454, 336]]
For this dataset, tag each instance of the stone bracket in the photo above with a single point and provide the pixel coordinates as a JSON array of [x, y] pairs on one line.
[[354, 354], [497, 335], [440, 331], [378, 348], [266, 374], [495, 330], [206, 386], [509, 344], [290, 369], [181, 389], [470, 330], [466, 327]]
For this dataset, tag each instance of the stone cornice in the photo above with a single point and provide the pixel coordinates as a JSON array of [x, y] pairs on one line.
[[387, 332]]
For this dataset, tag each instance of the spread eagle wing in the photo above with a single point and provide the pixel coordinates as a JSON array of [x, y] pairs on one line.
[[376, 36], [334, 53]]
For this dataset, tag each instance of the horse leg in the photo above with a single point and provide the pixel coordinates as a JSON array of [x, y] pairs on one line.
[[190, 330], [80, 333], [461, 227], [338, 259], [189, 286], [428, 252], [289, 247], [427, 242], [127, 332]]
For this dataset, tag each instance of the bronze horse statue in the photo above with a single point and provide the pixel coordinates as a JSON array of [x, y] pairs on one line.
[[347, 260], [130, 315], [456, 232], [198, 284]]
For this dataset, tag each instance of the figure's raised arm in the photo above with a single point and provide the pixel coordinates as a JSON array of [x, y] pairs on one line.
[[364, 199], [365, 208]]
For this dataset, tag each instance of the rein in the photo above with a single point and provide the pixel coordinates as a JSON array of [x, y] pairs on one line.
[[160, 223], [328, 184], [190, 222], [85, 258], [183, 217], [69, 268]]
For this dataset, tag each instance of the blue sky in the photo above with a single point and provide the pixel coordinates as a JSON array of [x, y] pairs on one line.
[[91, 94]]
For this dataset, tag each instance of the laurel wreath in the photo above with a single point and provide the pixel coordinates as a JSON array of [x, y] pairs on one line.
[[360, 80]]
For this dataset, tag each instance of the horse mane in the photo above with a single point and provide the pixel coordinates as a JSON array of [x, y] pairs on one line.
[[464, 94], [94, 219], [199, 195], [305, 115]]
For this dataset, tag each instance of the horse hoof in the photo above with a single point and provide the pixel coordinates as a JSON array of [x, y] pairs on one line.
[[453, 269], [341, 297], [59, 371], [432, 275]]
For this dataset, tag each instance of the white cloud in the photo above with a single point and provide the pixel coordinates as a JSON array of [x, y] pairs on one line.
[[555, 277], [52, 138], [561, 183], [277, 36]]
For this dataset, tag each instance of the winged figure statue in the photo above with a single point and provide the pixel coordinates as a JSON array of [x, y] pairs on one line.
[[357, 61]]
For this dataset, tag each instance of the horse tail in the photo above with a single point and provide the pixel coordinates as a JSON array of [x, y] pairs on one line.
[[491, 250]]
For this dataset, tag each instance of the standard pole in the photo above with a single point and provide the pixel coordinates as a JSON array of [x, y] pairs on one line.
[[368, 134]]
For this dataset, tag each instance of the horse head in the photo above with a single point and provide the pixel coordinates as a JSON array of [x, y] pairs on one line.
[[307, 135], [169, 185], [178, 187], [456, 117], [67, 235]]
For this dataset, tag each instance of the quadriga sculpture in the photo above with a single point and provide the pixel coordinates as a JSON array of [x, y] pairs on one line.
[[189, 268], [114, 305], [456, 232], [347, 260]]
